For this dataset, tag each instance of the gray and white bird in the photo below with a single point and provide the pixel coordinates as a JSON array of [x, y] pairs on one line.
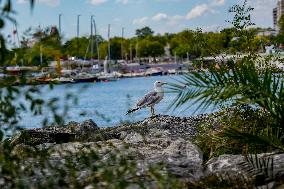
[[150, 99]]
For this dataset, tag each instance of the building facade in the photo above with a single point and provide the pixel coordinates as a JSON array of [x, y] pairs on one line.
[[277, 13], [275, 18]]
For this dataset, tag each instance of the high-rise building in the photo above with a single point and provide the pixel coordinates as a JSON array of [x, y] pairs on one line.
[[275, 18], [277, 13]]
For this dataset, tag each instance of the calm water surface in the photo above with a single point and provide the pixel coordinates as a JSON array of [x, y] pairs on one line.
[[107, 102]]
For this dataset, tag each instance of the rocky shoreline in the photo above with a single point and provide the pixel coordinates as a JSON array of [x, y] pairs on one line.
[[156, 140]]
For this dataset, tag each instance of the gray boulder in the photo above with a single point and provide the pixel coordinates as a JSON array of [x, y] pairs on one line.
[[184, 159], [71, 132], [85, 128], [134, 138], [224, 164], [261, 170], [39, 136]]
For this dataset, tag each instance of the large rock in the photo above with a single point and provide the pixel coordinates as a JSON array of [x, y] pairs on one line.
[[260, 170], [134, 138], [180, 157], [39, 136], [68, 133], [184, 159], [171, 126], [224, 165], [85, 128], [159, 140]]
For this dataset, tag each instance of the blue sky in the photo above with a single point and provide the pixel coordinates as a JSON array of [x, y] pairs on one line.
[[161, 15]]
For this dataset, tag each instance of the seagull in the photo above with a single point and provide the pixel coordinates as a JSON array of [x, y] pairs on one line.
[[150, 99]]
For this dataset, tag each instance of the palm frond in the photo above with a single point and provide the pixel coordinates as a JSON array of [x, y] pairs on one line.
[[260, 139], [236, 82]]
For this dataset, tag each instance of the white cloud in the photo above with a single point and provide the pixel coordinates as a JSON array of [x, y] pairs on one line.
[[209, 28], [218, 2], [116, 20], [122, 1], [140, 21], [201, 9], [197, 11], [177, 17], [160, 17], [97, 2], [170, 20], [46, 2], [262, 14], [169, 0], [21, 1]]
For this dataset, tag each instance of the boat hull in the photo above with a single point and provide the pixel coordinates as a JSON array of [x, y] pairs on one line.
[[85, 80]]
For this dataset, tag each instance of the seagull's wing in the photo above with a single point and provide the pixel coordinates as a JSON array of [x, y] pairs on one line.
[[149, 99]]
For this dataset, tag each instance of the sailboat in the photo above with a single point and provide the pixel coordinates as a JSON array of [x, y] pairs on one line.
[[106, 76]]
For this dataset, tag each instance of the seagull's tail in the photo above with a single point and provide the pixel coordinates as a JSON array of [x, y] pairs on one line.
[[132, 110]]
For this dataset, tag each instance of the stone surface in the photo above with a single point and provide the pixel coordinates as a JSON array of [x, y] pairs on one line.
[[85, 128], [89, 131], [159, 140], [134, 138], [68, 133], [40, 136], [224, 163]]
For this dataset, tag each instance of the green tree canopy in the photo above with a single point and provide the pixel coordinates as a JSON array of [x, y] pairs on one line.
[[144, 32], [183, 43], [280, 36], [150, 48]]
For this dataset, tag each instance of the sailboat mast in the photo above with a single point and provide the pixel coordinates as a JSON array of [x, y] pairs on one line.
[[59, 23], [92, 38], [122, 35], [108, 35], [97, 42], [78, 29]]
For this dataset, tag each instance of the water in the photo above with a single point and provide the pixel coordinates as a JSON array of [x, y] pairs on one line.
[[107, 102]]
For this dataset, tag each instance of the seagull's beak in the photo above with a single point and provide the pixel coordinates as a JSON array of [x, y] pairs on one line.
[[164, 83]]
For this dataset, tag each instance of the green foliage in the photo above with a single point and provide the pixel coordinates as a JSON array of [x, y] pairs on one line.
[[15, 100], [45, 42], [213, 140], [237, 83], [222, 182], [76, 47], [144, 32], [150, 48], [280, 37], [71, 48], [240, 81], [115, 48], [185, 42]]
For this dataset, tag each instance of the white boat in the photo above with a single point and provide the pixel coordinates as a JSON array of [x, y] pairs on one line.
[[63, 80], [107, 77]]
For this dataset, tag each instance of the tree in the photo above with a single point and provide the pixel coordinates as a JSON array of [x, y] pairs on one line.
[[103, 47], [37, 42], [155, 49], [240, 82], [150, 48], [144, 32], [71, 47], [115, 48], [185, 43], [280, 36], [281, 24]]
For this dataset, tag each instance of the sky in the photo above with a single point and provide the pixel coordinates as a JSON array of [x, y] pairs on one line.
[[163, 16]]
